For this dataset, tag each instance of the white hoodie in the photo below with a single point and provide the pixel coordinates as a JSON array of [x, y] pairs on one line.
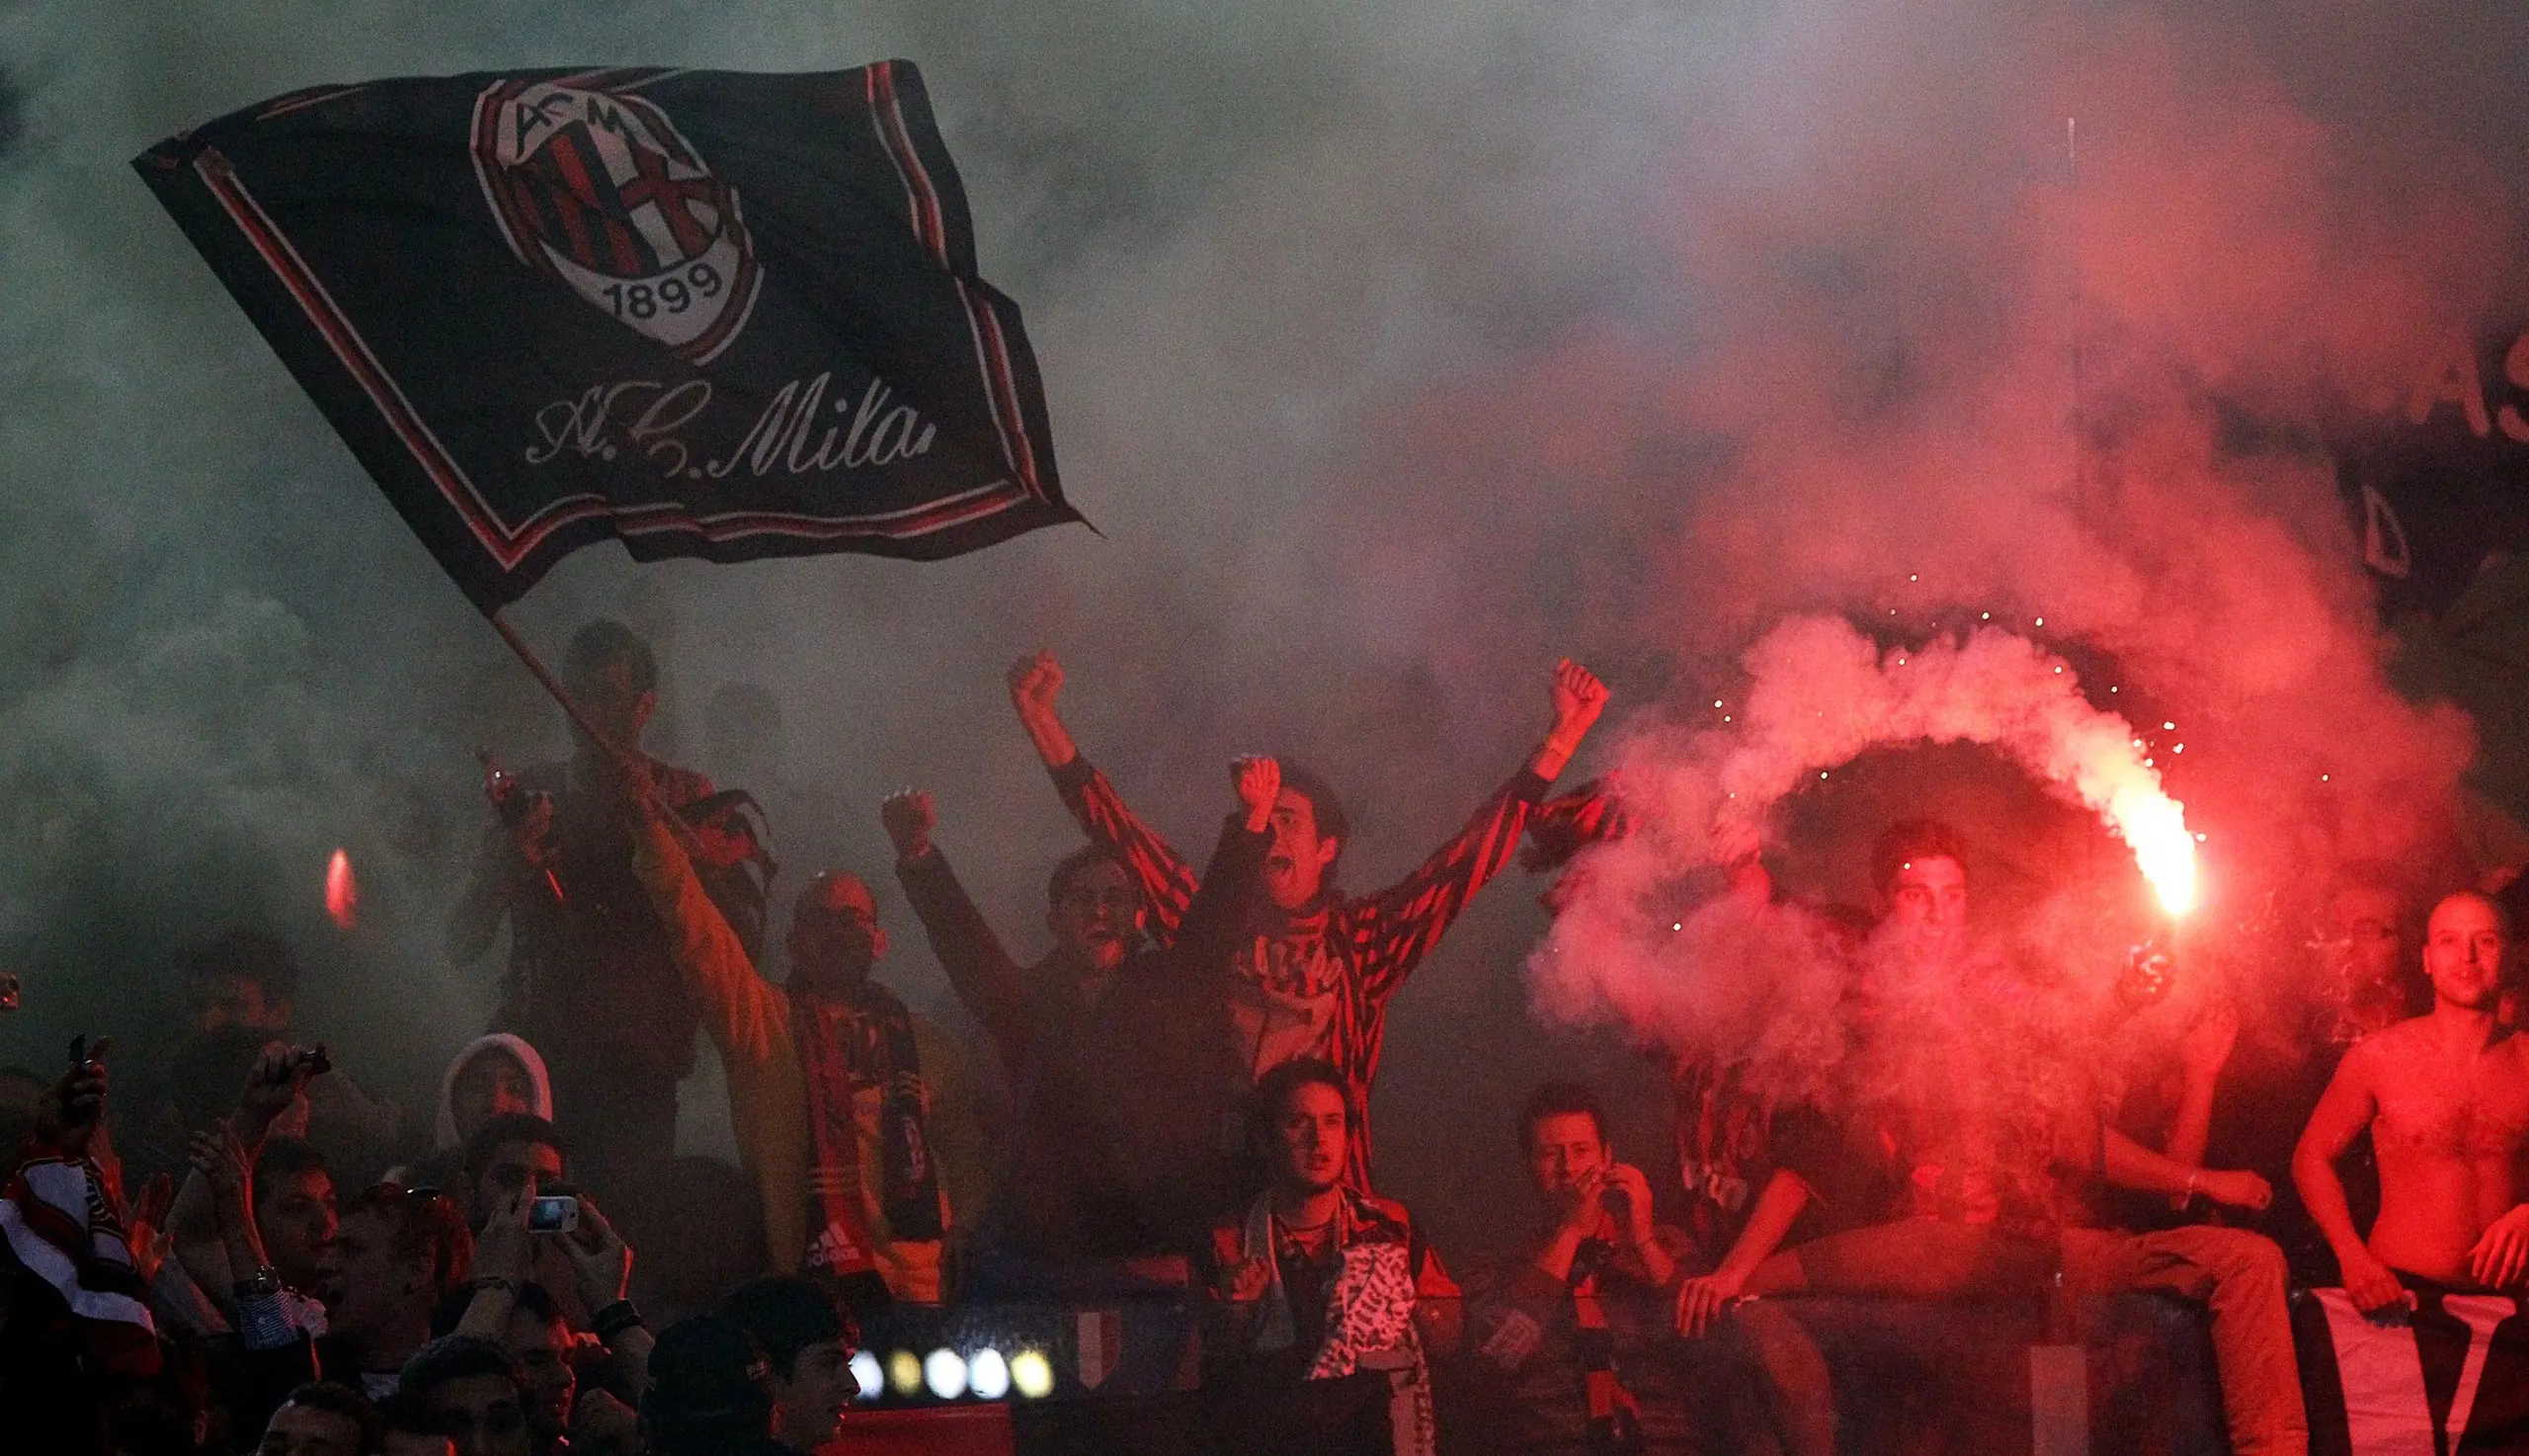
[[443, 1135]]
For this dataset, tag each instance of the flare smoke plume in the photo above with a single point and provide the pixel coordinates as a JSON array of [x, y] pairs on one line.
[[1396, 350]]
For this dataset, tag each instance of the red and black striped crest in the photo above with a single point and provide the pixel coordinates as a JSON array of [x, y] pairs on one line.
[[596, 189]]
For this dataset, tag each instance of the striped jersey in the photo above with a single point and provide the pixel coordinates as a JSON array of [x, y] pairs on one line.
[[1317, 983]]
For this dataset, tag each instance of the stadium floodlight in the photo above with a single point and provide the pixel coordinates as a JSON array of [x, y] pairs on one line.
[[988, 1374]]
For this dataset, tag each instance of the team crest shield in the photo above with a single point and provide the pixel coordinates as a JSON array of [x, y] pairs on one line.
[[597, 191]]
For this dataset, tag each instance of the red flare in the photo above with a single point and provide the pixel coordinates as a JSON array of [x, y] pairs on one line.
[[342, 892]]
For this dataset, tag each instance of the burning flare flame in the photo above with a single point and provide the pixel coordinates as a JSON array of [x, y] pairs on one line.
[[1820, 693], [2154, 826], [341, 891]]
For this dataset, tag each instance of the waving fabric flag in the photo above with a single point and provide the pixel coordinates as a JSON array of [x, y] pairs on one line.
[[59, 1222], [704, 313]]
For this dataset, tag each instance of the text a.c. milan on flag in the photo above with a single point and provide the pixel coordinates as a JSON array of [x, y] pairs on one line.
[[706, 313]]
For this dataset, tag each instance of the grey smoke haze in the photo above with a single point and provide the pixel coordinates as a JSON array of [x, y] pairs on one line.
[[1395, 349]]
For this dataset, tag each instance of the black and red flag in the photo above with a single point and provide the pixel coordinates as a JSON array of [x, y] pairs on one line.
[[2449, 1375], [704, 313]]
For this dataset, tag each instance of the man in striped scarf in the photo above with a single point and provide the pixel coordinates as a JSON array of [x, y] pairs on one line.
[[1318, 968]]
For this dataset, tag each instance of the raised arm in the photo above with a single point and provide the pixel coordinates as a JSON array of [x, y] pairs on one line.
[[1404, 922], [512, 858], [1166, 881], [1217, 917], [985, 977], [2201, 1053], [1579, 697], [2350, 1102], [280, 1075], [744, 1013]]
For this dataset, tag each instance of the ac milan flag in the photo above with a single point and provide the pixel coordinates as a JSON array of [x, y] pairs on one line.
[[704, 313]]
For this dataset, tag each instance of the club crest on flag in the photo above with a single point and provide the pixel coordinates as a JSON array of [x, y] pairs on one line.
[[597, 191]]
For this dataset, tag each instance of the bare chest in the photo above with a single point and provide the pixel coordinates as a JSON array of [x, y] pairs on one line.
[[2475, 1110]]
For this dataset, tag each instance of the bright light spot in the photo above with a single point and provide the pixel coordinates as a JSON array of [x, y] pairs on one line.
[[987, 1375], [1987, 617], [864, 1369], [2199, 838], [2059, 671], [2169, 725], [1912, 577], [1032, 1374], [2111, 689], [341, 891], [2179, 749], [1725, 717], [1716, 703], [945, 1371], [2147, 763], [2322, 779], [904, 1372], [2155, 826], [1677, 925], [2041, 621], [1822, 772]]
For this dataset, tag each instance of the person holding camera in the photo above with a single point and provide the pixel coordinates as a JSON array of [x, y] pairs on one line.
[[1574, 1331], [507, 1305]]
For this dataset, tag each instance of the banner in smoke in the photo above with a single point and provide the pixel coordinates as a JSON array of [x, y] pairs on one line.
[[2439, 485], [704, 313], [2450, 1375]]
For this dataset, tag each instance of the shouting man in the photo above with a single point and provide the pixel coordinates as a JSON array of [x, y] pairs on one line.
[[1315, 976]]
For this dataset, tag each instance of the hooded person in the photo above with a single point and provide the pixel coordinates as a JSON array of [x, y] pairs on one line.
[[495, 1076]]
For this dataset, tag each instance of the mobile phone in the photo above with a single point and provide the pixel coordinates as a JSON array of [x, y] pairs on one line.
[[316, 1061], [557, 1213], [78, 1051]]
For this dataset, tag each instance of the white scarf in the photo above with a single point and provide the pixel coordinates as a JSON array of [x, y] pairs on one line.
[[1369, 1320]]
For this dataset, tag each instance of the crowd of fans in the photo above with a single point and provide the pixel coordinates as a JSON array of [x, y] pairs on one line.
[[230, 1249]]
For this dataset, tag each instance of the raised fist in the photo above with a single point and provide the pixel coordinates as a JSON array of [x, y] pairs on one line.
[[909, 816], [1579, 697], [1035, 683], [1257, 782]]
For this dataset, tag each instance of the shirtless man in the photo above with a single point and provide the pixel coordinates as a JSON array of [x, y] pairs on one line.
[[2446, 1096]]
